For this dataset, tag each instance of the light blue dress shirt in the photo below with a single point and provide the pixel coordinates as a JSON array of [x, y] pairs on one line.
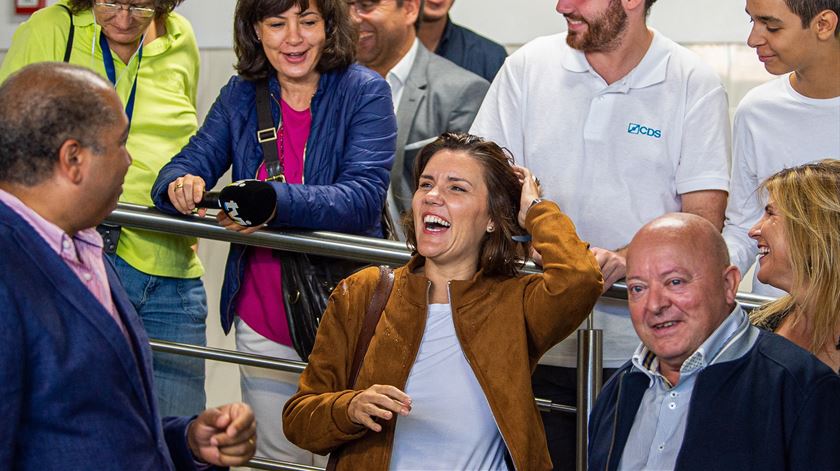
[[659, 427]]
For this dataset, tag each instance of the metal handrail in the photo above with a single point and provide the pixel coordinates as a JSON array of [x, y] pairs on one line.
[[273, 465], [333, 244], [369, 250], [273, 363]]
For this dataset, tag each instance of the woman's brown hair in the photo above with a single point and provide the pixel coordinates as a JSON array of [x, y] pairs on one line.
[[500, 255], [252, 64], [808, 196]]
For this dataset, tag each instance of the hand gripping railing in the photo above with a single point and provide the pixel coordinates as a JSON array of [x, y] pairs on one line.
[[590, 341]]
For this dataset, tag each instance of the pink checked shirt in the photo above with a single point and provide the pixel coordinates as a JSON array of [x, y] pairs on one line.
[[82, 253]]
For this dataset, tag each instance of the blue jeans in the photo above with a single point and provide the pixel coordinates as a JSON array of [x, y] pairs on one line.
[[173, 309]]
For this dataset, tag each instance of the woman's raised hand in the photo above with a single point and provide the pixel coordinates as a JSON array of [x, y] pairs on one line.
[[530, 191], [378, 402]]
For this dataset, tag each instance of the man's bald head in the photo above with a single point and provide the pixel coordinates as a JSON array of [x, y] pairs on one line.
[[42, 106], [694, 232]]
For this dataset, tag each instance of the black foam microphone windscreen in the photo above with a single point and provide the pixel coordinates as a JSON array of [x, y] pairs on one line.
[[248, 202]]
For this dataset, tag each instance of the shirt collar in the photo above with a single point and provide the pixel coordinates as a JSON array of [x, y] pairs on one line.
[[728, 332], [652, 69], [400, 71], [58, 240]]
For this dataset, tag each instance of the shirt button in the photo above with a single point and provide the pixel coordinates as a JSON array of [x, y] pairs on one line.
[[87, 276], [661, 447], [672, 406], [673, 394], [66, 244]]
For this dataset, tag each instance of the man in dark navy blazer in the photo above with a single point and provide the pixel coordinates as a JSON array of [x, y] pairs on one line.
[[75, 364]]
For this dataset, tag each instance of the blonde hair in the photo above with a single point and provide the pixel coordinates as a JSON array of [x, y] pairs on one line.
[[809, 198]]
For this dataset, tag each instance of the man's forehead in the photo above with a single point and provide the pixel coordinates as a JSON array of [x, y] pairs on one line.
[[662, 257]]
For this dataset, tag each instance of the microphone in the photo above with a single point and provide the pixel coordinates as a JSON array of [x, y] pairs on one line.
[[248, 203]]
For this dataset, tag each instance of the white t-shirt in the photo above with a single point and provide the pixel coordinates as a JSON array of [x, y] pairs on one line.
[[450, 425], [612, 156], [775, 128]]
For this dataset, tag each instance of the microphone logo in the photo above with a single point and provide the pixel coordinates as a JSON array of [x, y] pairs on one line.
[[231, 209]]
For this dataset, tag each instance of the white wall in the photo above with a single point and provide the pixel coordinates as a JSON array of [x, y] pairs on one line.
[[508, 22], [686, 21]]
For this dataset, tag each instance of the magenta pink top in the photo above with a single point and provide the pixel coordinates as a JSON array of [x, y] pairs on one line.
[[260, 300]]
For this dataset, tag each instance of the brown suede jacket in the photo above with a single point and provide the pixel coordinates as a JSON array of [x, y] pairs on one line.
[[504, 326]]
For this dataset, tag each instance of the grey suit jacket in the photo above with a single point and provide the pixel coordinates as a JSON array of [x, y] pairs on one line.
[[439, 96]]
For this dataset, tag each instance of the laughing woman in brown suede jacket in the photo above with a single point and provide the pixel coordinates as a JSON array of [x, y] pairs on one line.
[[446, 382]]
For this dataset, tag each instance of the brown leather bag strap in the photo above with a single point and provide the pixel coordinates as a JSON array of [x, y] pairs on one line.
[[372, 316], [374, 312]]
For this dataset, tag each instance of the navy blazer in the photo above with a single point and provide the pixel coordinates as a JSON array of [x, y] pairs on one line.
[[75, 394]]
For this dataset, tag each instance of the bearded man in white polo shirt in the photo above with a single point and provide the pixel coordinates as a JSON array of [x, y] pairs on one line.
[[622, 125]]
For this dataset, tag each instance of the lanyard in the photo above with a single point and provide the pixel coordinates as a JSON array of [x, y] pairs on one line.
[[110, 69]]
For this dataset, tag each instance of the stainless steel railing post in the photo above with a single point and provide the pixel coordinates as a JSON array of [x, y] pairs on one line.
[[589, 381]]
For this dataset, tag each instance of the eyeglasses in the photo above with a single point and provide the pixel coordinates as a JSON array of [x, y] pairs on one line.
[[111, 9], [363, 6]]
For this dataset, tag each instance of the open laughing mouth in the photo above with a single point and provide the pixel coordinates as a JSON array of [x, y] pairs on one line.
[[763, 250], [435, 224], [295, 57]]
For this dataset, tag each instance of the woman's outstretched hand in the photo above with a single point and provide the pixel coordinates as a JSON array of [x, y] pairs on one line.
[[378, 402]]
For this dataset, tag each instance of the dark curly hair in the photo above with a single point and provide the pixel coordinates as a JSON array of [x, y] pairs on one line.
[[252, 64], [162, 7], [500, 255]]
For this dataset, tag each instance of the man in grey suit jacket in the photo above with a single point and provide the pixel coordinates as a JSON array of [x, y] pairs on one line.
[[431, 95]]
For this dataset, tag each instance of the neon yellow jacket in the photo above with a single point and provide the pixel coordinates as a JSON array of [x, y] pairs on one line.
[[164, 115]]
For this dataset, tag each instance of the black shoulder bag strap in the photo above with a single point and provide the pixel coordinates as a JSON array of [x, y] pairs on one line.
[[372, 316], [267, 133], [69, 49]]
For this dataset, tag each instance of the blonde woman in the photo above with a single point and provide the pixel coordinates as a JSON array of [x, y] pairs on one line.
[[799, 251]]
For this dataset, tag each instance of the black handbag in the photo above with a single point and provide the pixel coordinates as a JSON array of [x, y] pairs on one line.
[[308, 280]]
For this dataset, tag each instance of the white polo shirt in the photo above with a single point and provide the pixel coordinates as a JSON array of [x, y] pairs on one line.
[[612, 156]]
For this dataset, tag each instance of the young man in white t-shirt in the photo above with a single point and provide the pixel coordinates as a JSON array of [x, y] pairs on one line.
[[621, 125], [788, 121]]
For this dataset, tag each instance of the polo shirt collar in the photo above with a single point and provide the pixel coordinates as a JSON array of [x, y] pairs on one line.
[[652, 69]]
